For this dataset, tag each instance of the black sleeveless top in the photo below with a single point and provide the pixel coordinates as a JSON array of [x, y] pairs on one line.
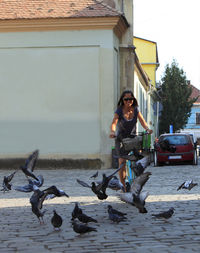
[[125, 127]]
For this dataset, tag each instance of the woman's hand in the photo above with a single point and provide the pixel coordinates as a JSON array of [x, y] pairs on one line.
[[149, 131], [112, 134]]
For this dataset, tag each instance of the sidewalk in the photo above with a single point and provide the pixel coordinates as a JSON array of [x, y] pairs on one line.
[[21, 231]]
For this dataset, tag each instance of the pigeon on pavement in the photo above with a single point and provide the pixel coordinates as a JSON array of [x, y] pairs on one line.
[[77, 210], [6, 182], [165, 215], [56, 220], [85, 218], [114, 211], [82, 228], [113, 216], [187, 185]]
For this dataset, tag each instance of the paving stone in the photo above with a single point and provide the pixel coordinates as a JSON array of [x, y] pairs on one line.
[[21, 231]]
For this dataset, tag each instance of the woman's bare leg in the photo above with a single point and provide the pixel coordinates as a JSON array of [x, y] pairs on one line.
[[122, 172]]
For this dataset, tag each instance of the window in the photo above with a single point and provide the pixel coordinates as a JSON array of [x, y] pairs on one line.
[[197, 118]]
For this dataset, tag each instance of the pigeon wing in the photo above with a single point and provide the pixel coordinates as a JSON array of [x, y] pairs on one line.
[[180, 186], [83, 183], [31, 160], [126, 197], [139, 182]]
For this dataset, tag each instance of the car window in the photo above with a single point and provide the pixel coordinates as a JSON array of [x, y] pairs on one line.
[[176, 139]]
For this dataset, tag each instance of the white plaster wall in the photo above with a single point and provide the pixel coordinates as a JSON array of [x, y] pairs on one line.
[[56, 92]]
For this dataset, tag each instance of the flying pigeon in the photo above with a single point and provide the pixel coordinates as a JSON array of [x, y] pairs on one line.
[[136, 197], [100, 189], [141, 165], [30, 165], [165, 215], [187, 185], [31, 183], [165, 146], [6, 182], [36, 201], [77, 210], [53, 191], [56, 220], [82, 228], [95, 175], [100, 195], [115, 184]]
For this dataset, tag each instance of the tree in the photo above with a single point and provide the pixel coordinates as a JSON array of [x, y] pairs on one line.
[[175, 98]]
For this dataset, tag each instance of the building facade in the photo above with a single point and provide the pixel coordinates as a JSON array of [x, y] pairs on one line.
[[147, 53], [60, 71], [193, 124]]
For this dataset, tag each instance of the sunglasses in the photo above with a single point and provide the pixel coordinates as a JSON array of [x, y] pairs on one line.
[[128, 99]]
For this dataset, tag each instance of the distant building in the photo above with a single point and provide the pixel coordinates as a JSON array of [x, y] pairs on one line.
[[193, 124]]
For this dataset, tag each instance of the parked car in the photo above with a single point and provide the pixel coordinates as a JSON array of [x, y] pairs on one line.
[[175, 147]]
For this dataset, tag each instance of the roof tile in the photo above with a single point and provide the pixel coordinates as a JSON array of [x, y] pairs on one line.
[[195, 93], [36, 9]]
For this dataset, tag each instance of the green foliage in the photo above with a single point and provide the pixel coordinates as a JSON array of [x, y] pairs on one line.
[[175, 98]]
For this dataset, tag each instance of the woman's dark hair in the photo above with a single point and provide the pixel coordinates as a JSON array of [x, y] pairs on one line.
[[121, 101]]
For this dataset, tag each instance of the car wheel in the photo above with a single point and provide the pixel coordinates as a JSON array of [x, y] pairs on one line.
[[195, 159], [155, 159]]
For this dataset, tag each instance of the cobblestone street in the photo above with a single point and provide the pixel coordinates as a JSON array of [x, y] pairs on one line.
[[21, 231]]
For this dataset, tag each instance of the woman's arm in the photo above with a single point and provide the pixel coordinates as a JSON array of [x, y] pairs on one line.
[[144, 123], [114, 125]]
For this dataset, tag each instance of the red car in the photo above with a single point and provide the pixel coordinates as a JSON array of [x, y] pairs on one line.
[[176, 147]]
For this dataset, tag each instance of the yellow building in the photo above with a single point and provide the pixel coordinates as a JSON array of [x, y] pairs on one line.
[[147, 54], [146, 51]]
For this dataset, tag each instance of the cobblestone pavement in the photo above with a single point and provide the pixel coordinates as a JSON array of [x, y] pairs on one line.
[[21, 231]]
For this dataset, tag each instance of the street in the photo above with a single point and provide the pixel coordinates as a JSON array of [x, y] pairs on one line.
[[21, 231]]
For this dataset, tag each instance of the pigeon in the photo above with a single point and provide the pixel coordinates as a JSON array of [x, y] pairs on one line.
[[187, 185], [36, 201], [165, 215], [53, 192], [6, 182], [115, 184], [85, 218], [165, 146], [30, 163], [100, 189], [136, 197], [31, 183], [76, 211], [113, 216], [106, 179], [95, 175], [100, 195], [32, 160], [82, 228], [56, 220], [141, 165], [114, 211]]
